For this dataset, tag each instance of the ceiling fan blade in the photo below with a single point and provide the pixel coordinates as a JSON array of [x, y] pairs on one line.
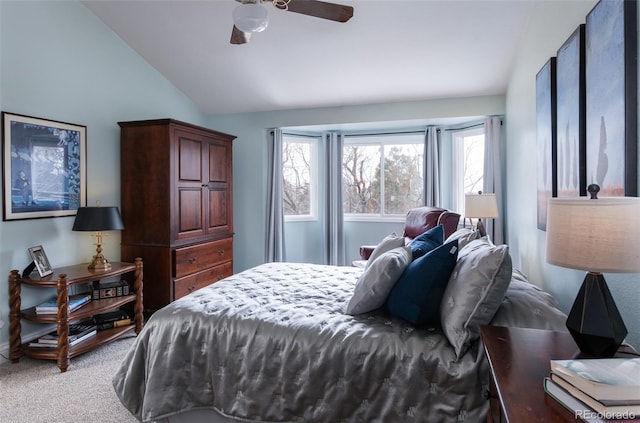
[[239, 37], [321, 9]]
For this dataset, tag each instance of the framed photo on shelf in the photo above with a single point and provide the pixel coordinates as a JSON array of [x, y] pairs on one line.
[[546, 138], [611, 90], [40, 260], [45, 168], [571, 121]]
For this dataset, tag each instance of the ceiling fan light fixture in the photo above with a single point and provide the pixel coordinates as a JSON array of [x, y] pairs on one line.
[[250, 17]]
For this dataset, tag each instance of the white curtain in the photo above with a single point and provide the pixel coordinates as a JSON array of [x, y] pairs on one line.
[[274, 247], [492, 178], [334, 251], [432, 167]]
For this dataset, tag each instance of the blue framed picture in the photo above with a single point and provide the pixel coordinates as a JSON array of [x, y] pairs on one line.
[[611, 90], [571, 119], [44, 164], [546, 138]]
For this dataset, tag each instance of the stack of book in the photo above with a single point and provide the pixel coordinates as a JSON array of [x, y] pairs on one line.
[[111, 319], [77, 333], [51, 306], [597, 389]]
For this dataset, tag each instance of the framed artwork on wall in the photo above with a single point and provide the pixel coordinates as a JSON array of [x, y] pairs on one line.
[[44, 164], [546, 138], [611, 90], [571, 118]]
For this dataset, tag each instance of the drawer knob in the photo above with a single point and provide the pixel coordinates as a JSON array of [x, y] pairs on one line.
[[221, 252], [192, 260], [191, 288]]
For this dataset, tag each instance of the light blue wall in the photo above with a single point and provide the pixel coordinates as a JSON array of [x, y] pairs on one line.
[[59, 61], [551, 24], [250, 160]]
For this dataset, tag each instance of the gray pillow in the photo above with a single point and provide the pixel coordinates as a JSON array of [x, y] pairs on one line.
[[475, 291], [375, 283], [388, 243], [527, 306], [464, 236]]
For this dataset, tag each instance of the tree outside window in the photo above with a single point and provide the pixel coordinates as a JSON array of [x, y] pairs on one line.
[[382, 175], [299, 176]]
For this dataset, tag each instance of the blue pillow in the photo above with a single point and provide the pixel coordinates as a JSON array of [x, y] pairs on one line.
[[427, 241], [417, 295]]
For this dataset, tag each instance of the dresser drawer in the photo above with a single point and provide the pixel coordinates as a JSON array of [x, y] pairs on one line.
[[188, 284], [192, 259]]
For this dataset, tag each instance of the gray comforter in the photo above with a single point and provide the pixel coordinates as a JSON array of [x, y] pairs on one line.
[[273, 344]]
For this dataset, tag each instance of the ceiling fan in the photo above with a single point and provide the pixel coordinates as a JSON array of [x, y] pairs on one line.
[[250, 16]]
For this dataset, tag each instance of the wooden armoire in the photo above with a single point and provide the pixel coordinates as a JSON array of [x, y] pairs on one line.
[[176, 205]]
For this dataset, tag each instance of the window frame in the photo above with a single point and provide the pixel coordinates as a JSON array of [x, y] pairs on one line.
[[313, 141], [368, 140], [457, 158]]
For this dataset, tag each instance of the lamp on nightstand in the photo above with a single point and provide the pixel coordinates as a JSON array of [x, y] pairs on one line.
[[98, 219], [480, 206], [597, 235]]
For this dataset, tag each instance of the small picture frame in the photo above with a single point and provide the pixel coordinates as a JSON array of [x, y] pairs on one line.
[[40, 260]]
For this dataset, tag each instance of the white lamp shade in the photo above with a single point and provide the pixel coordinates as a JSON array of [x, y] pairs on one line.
[[480, 205], [250, 17], [600, 235]]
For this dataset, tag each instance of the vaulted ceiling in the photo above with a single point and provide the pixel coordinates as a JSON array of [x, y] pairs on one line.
[[390, 51]]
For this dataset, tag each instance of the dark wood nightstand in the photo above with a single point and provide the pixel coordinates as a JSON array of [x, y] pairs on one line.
[[519, 361]]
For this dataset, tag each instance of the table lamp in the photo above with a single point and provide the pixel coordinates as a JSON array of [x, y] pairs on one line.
[[597, 235], [480, 206], [98, 219]]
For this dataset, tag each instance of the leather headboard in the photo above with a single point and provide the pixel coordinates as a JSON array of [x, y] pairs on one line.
[[420, 220], [450, 221]]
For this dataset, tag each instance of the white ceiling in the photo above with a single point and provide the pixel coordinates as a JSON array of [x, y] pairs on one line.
[[390, 51]]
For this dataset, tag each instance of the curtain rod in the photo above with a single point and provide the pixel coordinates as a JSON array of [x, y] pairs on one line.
[[416, 131], [466, 127]]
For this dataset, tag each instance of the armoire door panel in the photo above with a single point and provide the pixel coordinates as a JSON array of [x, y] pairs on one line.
[[218, 163], [190, 210], [218, 209], [189, 159]]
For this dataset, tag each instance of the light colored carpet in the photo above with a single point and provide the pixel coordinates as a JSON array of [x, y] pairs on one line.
[[34, 391]]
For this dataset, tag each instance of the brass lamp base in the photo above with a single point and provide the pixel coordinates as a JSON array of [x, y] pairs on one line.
[[99, 262]]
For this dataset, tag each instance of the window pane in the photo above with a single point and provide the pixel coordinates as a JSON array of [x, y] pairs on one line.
[[468, 161], [361, 178], [473, 163], [296, 172], [403, 176]]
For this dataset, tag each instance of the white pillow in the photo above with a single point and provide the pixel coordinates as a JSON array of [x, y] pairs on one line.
[[388, 243], [375, 283]]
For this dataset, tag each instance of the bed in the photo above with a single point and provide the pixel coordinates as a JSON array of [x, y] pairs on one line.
[[273, 344]]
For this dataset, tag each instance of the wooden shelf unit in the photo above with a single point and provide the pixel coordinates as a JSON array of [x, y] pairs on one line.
[[66, 277]]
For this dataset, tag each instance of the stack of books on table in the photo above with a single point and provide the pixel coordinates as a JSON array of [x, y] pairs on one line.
[[111, 319], [597, 389], [51, 306], [77, 333]]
